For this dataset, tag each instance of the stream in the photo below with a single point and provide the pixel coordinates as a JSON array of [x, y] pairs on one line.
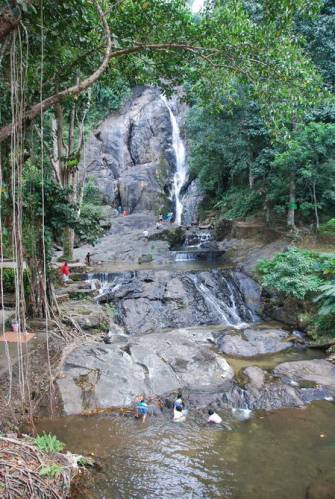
[[273, 455]]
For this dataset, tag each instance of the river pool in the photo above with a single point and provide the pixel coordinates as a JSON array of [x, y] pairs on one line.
[[273, 455]]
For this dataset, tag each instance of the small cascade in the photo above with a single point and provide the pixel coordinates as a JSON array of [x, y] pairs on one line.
[[180, 175], [193, 254], [102, 281], [196, 239], [226, 310]]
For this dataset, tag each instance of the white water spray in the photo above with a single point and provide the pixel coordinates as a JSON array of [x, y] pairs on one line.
[[197, 5], [181, 168]]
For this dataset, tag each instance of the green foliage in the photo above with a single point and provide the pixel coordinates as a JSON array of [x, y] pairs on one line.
[[328, 228], [111, 309], [92, 195], [304, 275], [294, 273], [310, 153], [48, 443], [229, 151], [88, 227], [9, 280], [238, 203], [326, 299], [52, 471], [319, 32]]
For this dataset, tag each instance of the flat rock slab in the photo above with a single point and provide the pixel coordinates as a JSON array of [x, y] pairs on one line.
[[103, 376], [255, 342], [318, 371]]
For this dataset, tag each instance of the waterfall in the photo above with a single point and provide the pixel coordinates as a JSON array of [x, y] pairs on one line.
[[197, 5], [228, 314], [181, 168]]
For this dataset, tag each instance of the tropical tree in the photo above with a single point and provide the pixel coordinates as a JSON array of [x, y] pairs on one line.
[[309, 157]]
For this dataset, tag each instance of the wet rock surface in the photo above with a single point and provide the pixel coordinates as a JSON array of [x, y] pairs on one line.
[[254, 342], [125, 242], [101, 376], [318, 371], [130, 155], [269, 396], [150, 301]]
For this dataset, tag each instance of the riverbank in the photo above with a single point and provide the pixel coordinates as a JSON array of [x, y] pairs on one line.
[[36, 467]]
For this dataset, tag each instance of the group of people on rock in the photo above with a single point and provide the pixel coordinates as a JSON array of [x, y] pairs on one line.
[[179, 410]]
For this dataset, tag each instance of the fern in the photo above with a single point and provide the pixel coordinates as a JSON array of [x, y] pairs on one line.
[[52, 471], [49, 443]]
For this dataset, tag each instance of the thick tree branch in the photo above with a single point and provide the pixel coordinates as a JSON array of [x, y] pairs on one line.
[[8, 23], [81, 86], [75, 89]]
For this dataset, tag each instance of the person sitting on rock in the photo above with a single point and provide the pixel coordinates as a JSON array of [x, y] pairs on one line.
[[213, 417], [179, 415], [141, 409]]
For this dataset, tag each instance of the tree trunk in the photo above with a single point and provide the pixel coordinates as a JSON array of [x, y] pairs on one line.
[[68, 241], [251, 178], [60, 144], [292, 202], [317, 220], [267, 211]]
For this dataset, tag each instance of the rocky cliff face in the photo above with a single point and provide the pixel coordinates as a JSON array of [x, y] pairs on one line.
[[132, 159], [130, 154]]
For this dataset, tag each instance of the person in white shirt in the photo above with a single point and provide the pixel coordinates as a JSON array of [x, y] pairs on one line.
[[213, 417], [179, 415]]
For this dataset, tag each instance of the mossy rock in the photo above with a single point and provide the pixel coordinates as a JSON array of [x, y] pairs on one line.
[[145, 259], [175, 236], [222, 229]]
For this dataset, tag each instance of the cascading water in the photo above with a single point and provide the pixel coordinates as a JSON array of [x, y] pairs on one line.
[[226, 310], [197, 5], [181, 167]]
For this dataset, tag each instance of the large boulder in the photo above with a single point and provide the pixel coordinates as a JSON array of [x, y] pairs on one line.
[[269, 396], [317, 371], [102, 376], [253, 342]]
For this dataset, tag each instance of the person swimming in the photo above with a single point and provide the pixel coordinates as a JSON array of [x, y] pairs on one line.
[[213, 417], [178, 415], [179, 402]]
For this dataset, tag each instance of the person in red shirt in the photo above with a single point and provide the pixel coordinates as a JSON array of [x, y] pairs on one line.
[[65, 271]]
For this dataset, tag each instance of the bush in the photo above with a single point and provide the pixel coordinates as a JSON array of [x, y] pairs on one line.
[[328, 229], [49, 443], [8, 279], [303, 274], [294, 273], [238, 203], [327, 299]]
